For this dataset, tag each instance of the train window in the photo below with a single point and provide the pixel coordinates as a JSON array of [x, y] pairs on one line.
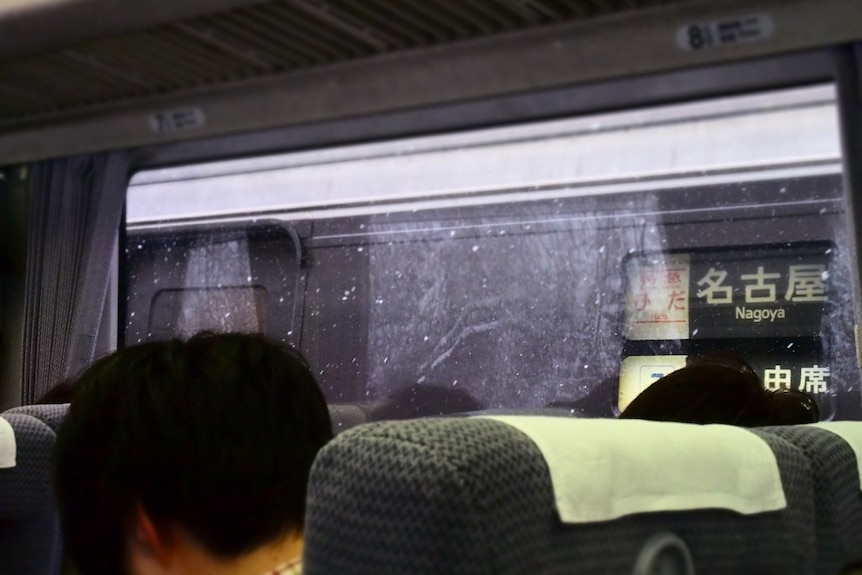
[[509, 267]]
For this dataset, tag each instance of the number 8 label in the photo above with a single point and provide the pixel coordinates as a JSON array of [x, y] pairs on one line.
[[703, 35], [696, 37]]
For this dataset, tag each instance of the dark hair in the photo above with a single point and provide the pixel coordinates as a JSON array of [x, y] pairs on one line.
[[424, 400], [60, 393], [216, 435], [728, 393]]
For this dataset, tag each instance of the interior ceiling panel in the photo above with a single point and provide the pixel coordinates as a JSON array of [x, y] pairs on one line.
[[263, 39]]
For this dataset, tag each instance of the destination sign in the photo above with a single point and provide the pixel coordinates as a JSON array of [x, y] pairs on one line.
[[770, 291]]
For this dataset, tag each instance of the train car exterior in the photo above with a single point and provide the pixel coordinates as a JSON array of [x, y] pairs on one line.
[[516, 267]]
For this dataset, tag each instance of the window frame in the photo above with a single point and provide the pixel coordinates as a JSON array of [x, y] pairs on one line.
[[840, 65]]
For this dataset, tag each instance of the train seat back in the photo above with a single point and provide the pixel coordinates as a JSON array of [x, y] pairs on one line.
[[30, 539], [51, 415], [835, 468], [475, 496]]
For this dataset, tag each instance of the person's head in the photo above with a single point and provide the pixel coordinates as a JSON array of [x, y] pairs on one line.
[[424, 400], [60, 393], [727, 393], [208, 442]]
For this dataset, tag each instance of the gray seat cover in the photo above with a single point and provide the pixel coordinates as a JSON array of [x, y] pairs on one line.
[[837, 495], [473, 496], [50, 414], [30, 541]]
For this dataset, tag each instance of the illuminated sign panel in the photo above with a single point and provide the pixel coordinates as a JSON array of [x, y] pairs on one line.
[[765, 292], [804, 369], [638, 372], [657, 297]]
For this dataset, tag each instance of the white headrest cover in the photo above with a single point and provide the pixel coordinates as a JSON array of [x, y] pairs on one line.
[[7, 445], [603, 469]]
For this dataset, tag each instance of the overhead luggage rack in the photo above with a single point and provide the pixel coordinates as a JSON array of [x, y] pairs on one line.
[[247, 41]]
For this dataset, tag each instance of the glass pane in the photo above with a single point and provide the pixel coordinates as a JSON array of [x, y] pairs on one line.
[[180, 282], [566, 263], [185, 312]]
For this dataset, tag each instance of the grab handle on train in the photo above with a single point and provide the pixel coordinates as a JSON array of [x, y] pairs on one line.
[[664, 554]]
